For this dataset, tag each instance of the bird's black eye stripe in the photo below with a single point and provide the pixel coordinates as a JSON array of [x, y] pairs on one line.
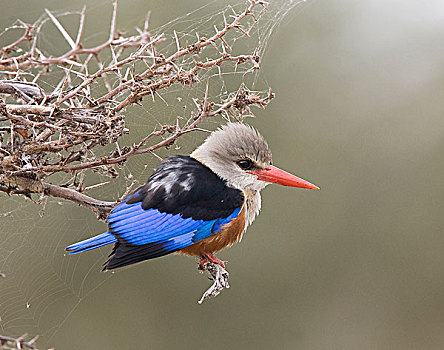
[[245, 164]]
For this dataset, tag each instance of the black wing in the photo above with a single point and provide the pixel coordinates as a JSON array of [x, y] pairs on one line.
[[183, 185]]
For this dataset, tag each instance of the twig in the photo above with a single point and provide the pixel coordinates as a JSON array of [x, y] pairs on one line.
[[19, 343], [34, 186], [61, 29], [220, 277], [25, 37]]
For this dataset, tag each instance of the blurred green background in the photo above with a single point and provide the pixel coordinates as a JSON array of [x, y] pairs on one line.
[[357, 265]]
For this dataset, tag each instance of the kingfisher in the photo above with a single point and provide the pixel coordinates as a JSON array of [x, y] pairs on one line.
[[194, 205]]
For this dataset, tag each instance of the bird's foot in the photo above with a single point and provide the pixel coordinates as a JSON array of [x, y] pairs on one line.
[[210, 258], [217, 273]]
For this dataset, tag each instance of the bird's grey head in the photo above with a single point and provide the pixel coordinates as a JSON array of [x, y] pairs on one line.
[[233, 150]]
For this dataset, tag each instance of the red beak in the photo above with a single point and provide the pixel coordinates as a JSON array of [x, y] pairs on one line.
[[280, 177]]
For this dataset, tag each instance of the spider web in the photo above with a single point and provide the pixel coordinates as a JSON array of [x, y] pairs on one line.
[[42, 286]]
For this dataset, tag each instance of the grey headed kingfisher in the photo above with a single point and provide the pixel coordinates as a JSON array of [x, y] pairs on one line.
[[194, 205]]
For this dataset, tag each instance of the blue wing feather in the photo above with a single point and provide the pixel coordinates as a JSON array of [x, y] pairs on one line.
[[92, 243], [158, 233], [138, 216], [122, 208], [138, 226]]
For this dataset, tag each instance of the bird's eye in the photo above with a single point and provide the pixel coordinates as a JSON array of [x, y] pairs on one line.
[[245, 164]]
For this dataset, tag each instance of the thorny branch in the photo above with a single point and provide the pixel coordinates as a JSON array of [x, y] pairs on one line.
[[17, 343], [77, 127], [43, 133]]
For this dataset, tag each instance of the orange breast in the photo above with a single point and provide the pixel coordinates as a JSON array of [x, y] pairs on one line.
[[226, 237]]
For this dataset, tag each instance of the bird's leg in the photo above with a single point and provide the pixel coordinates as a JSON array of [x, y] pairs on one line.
[[208, 257], [217, 272]]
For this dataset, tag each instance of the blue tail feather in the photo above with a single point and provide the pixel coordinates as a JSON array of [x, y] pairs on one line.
[[91, 243]]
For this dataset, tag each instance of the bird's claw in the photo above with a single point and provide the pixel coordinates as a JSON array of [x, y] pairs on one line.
[[220, 277]]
